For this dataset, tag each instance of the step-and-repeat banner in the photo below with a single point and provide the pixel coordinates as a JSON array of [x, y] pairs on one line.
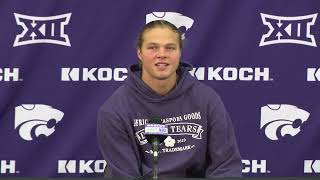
[[60, 60]]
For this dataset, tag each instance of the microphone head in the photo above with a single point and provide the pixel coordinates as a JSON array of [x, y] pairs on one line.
[[155, 120], [155, 130]]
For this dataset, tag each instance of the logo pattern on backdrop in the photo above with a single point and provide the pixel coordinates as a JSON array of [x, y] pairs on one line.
[[296, 30], [42, 29], [179, 20], [33, 120], [279, 120]]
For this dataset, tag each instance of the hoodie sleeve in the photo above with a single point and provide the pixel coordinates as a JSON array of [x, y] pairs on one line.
[[116, 146], [223, 155]]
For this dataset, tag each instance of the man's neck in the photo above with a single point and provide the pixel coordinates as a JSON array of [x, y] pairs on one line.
[[161, 87]]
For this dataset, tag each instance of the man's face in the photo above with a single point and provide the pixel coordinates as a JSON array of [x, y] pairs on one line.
[[159, 54]]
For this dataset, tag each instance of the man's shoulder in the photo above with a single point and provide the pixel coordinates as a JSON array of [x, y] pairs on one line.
[[206, 95], [116, 99], [203, 89]]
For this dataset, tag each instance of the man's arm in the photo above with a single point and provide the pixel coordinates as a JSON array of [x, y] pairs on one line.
[[116, 146], [223, 155]]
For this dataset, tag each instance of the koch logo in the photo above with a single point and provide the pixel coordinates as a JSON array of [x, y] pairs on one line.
[[33, 120], [311, 166], [254, 166], [9, 74], [296, 30], [231, 74], [8, 167], [93, 74], [313, 74], [179, 20], [42, 29], [279, 120], [81, 166]]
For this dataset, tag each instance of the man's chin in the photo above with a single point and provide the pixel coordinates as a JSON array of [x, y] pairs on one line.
[[162, 78], [163, 75]]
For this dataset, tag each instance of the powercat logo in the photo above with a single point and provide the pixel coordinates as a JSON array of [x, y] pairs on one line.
[[42, 29], [179, 20], [296, 30], [279, 120], [34, 120], [81, 166]]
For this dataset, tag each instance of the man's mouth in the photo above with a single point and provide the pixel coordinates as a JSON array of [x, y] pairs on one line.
[[162, 64]]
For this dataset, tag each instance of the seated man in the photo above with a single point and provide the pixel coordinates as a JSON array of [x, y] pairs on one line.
[[201, 141]]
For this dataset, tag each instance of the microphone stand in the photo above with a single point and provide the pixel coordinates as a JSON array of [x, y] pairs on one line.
[[155, 150]]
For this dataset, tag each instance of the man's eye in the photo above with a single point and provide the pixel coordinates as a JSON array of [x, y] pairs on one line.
[[152, 47], [171, 48]]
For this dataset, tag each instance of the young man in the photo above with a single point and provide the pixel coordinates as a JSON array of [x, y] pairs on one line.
[[201, 140]]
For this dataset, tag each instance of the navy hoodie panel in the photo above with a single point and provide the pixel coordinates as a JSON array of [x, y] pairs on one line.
[[201, 143]]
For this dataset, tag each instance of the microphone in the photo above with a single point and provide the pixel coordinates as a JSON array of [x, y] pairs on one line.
[[155, 133]]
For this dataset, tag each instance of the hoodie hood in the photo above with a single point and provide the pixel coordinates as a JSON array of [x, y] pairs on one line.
[[136, 84]]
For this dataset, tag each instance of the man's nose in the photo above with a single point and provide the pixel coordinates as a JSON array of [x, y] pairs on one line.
[[162, 53]]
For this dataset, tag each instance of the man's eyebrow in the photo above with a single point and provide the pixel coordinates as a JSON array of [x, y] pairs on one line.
[[171, 44], [151, 43]]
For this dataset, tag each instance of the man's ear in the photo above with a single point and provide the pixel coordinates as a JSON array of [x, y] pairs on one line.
[[139, 53]]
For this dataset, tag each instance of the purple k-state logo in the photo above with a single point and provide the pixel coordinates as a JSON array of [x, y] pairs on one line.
[[296, 30], [37, 29]]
